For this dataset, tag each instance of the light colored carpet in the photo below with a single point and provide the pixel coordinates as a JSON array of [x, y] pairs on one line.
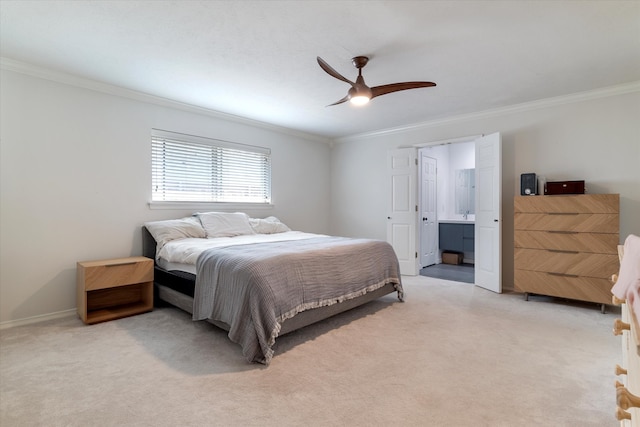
[[451, 355]]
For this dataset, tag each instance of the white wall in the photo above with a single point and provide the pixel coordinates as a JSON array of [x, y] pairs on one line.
[[75, 181], [592, 138], [450, 158]]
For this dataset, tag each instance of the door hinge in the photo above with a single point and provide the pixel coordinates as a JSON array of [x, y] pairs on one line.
[[416, 208], [416, 254], [416, 159]]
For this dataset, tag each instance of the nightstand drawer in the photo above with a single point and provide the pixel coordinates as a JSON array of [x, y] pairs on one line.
[[116, 272]]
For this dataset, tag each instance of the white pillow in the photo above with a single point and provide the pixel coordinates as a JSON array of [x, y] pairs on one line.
[[173, 229], [224, 224], [269, 225]]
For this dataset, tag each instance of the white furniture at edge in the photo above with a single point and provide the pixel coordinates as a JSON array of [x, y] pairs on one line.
[[628, 385]]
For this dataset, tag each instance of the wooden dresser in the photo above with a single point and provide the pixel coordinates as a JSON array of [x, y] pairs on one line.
[[567, 245]]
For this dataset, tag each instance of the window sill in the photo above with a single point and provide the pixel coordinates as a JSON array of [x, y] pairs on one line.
[[210, 206]]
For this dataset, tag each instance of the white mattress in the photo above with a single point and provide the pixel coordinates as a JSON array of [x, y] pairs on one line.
[[179, 266], [182, 254]]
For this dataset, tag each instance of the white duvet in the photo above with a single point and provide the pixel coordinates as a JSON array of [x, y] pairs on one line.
[[187, 251]]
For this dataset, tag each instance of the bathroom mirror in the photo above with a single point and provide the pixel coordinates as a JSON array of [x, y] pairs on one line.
[[465, 191]]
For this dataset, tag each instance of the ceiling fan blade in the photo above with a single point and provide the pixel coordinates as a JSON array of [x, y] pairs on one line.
[[327, 68], [345, 99], [395, 87]]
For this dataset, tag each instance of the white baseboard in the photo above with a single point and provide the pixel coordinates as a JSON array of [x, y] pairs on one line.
[[36, 319]]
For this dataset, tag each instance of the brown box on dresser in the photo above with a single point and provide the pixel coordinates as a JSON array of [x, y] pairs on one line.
[[564, 187], [566, 245]]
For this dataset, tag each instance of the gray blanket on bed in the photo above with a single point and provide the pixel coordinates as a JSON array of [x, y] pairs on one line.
[[255, 287]]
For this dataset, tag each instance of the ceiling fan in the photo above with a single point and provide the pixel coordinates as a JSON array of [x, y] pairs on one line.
[[360, 93]]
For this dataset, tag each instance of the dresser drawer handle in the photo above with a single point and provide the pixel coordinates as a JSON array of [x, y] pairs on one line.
[[619, 326], [626, 399], [562, 274], [563, 213], [621, 414], [617, 301], [121, 264], [558, 251], [620, 371], [562, 232]]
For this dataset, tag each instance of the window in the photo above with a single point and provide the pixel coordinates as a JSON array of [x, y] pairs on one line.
[[188, 168]]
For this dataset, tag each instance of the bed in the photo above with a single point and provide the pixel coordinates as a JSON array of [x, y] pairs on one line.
[[258, 280]]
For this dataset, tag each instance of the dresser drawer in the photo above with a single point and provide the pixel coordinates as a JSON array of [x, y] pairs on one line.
[[116, 272], [601, 223], [578, 287], [583, 203], [575, 263], [567, 241]]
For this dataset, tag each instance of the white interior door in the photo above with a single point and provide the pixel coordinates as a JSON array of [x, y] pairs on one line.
[[488, 228], [402, 207], [427, 214]]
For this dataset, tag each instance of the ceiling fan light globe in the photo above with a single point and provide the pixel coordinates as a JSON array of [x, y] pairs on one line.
[[359, 100]]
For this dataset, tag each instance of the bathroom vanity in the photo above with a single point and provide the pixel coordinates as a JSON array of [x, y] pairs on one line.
[[456, 235]]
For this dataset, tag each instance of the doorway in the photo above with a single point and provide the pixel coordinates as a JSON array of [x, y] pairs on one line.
[[431, 263], [447, 192], [484, 236], [457, 231]]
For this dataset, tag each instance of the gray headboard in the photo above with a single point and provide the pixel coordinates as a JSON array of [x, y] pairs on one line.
[[148, 244]]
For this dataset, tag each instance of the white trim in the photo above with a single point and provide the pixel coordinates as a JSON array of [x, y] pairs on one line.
[[37, 319], [202, 206], [71, 80], [621, 89]]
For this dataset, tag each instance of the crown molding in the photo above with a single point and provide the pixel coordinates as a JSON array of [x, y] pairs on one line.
[[81, 82], [616, 90]]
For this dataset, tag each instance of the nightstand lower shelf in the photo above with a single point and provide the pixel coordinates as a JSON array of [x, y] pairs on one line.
[[123, 301]]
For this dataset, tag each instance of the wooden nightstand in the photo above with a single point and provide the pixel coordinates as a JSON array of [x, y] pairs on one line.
[[114, 288]]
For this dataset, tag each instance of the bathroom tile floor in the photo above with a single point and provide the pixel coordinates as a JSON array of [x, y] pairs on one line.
[[457, 273]]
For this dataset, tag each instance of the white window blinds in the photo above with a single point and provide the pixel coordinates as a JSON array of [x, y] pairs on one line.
[[188, 168]]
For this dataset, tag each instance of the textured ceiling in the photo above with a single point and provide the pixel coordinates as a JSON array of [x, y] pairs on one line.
[[257, 59]]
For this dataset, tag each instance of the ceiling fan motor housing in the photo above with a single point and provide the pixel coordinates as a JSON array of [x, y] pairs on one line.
[[359, 61]]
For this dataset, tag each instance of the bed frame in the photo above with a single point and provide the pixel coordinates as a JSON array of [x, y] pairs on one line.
[[165, 280]]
